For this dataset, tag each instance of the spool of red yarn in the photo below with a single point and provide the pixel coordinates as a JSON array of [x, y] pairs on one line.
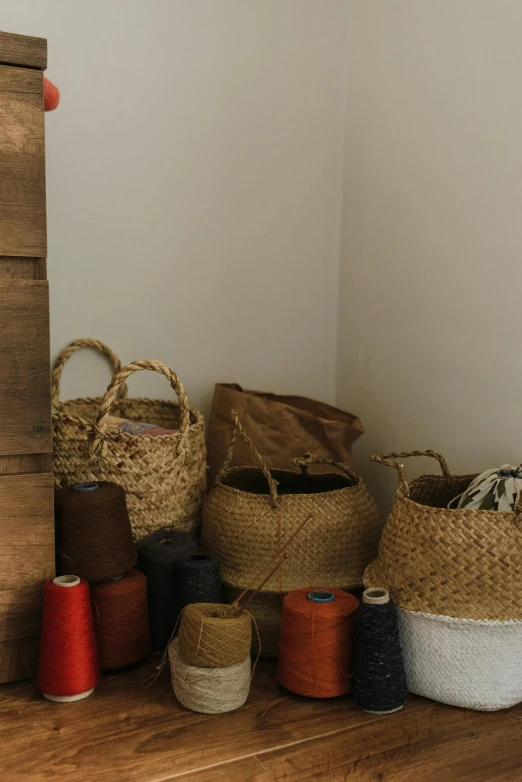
[[121, 620], [317, 642], [67, 666]]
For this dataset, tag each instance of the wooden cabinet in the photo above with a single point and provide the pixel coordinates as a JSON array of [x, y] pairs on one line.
[[26, 485]]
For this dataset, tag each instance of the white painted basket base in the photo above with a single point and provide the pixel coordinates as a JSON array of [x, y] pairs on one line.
[[474, 664]]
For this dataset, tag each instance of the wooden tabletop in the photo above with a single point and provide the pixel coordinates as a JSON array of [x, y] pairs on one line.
[[126, 732]]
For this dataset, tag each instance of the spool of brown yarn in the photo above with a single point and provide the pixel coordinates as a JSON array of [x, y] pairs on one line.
[[121, 623], [93, 531], [212, 635]]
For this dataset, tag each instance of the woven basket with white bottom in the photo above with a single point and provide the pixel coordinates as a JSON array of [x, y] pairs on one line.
[[472, 663]]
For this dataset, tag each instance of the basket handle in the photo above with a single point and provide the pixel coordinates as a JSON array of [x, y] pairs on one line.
[[238, 427], [386, 459], [97, 445], [65, 355], [311, 458]]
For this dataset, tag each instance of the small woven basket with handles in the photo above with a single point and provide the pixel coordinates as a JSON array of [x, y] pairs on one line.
[[163, 476], [455, 575]]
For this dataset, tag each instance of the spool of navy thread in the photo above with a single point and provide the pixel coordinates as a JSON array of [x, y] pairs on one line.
[[198, 580], [380, 680], [157, 557]]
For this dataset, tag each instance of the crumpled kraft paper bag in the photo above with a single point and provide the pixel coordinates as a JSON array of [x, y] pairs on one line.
[[281, 427]]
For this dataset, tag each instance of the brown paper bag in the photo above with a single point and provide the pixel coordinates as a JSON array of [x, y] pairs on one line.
[[282, 428]]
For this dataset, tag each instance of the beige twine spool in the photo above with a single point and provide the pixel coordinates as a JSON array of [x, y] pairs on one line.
[[212, 635], [209, 690]]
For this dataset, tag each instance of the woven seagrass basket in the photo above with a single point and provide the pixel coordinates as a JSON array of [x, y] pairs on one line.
[[251, 512], [455, 575], [453, 562], [163, 476]]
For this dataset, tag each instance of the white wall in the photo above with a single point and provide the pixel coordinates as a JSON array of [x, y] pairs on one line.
[[431, 263], [194, 186], [194, 195]]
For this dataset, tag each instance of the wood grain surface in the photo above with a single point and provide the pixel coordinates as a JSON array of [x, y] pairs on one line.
[[18, 268], [26, 486], [25, 463], [19, 658], [22, 163], [250, 769], [25, 401], [27, 551], [23, 50], [130, 732]]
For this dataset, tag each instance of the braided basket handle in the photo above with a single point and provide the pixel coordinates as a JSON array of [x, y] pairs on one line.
[[238, 427], [308, 459], [112, 393], [65, 355], [386, 459]]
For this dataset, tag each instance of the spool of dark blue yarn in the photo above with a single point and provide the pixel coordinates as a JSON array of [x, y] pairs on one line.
[[380, 681], [198, 580], [157, 557]]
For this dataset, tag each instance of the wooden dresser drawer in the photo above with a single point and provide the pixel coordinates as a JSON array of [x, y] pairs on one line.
[[25, 405], [26, 562], [22, 163], [19, 658]]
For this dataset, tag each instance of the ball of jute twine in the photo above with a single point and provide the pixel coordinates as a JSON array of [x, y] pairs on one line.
[[209, 690], [212, 635]]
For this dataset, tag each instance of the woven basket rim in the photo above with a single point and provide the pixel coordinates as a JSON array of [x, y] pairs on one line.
[[462, 511], [277, 470], [282, 497], [464, 619], [58, 414], [57, 411], [471, 512]]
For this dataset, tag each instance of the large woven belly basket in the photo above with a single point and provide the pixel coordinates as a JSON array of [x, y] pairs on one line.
[[456, 576], [251, 512]]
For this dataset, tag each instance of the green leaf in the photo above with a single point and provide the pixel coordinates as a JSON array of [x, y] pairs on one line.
[[487, 502]]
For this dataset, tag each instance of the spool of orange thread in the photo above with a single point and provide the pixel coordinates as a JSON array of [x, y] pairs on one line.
[[121, 620], [67, 665], [317, 642]]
